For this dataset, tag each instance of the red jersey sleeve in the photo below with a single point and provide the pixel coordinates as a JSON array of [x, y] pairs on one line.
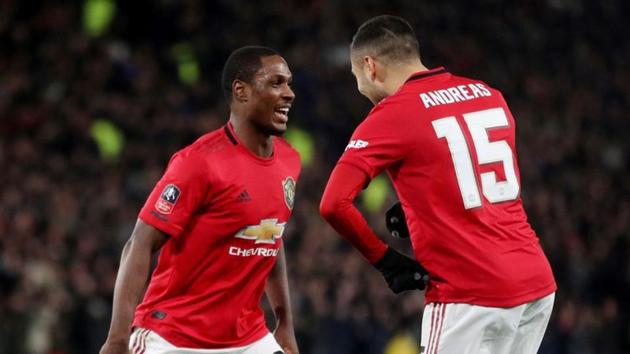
[[338, 209], [378, 142], [178, 194]]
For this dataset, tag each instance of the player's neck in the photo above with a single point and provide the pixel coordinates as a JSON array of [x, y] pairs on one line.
[[399, 75], [258, 143]]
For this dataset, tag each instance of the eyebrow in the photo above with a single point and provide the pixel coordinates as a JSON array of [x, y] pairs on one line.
[[282, 76]]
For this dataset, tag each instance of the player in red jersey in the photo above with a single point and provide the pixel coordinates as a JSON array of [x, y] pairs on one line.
[[217, 216], [447, 144]]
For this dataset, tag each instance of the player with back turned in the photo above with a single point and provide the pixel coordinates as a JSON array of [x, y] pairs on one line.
[[217, 215], [448, 145]]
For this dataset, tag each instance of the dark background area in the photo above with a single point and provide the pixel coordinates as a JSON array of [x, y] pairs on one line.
[[150, 81]]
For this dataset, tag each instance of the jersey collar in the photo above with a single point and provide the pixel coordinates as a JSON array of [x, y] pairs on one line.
[[426, 73], [229, 131], [230, 135]]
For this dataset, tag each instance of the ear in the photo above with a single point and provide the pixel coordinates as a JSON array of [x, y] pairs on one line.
[[369, 67], [240, 91]]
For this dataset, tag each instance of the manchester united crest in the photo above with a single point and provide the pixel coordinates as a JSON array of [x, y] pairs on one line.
[[288, 185]]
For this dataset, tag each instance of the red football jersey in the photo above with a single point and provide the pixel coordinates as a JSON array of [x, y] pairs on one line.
[[447, 143], [225, 209]]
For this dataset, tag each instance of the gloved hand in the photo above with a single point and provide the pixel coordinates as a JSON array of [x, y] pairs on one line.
[[395, 221], [401, 272]]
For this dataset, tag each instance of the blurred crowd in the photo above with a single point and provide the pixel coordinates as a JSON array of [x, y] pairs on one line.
[[88, 121]]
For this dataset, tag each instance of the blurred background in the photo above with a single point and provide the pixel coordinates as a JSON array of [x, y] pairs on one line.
[[96, 95]]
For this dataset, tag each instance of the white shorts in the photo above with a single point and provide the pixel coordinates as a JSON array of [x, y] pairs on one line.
[[470, 329], [144, 341]]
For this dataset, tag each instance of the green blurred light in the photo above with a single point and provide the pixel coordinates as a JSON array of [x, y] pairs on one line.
[[187, 66], [97, 16], [303, 143], [375, 195], [188, 72], [183, 51], [109, 139]]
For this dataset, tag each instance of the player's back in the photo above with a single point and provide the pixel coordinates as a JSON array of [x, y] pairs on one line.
[[459, 183]]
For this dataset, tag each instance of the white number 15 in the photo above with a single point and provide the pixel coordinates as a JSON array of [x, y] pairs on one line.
[[487, 152]]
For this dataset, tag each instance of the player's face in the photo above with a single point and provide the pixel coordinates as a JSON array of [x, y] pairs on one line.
[[368, 88], [272, 96]]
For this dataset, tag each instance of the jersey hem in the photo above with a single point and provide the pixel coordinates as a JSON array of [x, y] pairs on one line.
[[504, 302], [181, 342]]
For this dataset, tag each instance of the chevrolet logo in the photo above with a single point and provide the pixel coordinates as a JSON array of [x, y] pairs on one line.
[[266, 232]]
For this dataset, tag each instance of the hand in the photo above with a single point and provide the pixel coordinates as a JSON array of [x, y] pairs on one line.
[[401, 272], [285, 336], [115, 347], [395, 221]]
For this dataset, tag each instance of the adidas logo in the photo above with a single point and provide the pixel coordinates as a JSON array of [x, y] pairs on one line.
[[243, 197]]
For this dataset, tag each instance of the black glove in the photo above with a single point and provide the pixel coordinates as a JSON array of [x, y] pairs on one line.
[[396, 222], [401, 272]]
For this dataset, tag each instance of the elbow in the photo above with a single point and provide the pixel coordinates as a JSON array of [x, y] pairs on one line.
[[327, 208]]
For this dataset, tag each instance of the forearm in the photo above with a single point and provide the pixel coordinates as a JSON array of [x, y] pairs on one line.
[[277, 290], [337, 207], [132, 276]]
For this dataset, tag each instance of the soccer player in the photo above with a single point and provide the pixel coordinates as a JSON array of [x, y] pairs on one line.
[[217, 215], [447, 144]]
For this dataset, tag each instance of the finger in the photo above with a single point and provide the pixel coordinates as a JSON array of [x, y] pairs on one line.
[[408, 281], [420, 280]]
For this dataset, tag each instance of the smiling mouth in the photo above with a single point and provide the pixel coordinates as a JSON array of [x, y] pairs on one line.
[[282, 114]]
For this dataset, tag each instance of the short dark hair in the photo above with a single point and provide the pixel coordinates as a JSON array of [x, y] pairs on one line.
[[388, 37], [242, 65]]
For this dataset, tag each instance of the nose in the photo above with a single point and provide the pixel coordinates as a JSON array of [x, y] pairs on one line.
[[288, 93]]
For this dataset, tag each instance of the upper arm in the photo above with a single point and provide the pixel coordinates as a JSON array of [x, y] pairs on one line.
[[379, 142], [344, 184], [147, 236], [181, 191]]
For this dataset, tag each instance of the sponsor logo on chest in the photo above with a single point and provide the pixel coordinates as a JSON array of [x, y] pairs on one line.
[[266, 232]]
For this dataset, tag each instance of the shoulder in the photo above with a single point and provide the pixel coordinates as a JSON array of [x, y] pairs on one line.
[[388, 106], [388, 114], [208, 144], [211, 142], [480, 84], [200, 152], [285, 150], [287, 155]]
